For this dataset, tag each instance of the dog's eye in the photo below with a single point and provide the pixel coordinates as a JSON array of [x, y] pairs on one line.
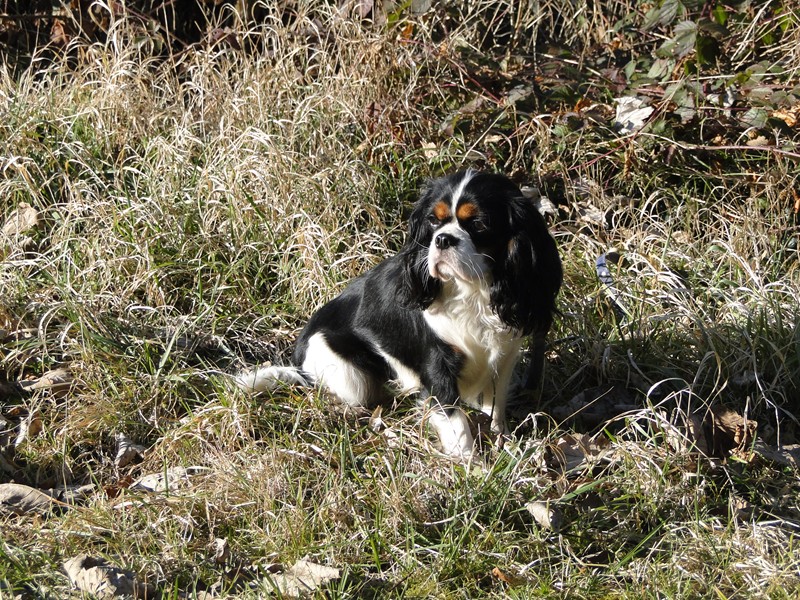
[[479, 226], [434, 220]]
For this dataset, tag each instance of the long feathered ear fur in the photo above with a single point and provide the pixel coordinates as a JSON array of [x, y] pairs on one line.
[[417, 288], [527, 279]]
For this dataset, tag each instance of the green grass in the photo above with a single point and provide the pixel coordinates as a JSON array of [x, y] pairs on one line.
[[194, 211]]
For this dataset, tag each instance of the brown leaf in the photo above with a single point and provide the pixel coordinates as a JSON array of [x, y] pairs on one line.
[[19, 499], [573, 451], [407, 31], [376, 422], [731, 431], [22, 219], [546, 515], [127, 451], [29, 428], [113, 490], [719, 432], [222, 551], [695, 432], [787, 455], [790, 116], [758, 141], [58, 33], [168, 480], [102, 580], [303, 579], [224, 35], [741, 509], [57, 382], [507, 578]]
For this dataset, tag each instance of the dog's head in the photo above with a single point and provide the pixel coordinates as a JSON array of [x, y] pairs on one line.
[[477, 228]]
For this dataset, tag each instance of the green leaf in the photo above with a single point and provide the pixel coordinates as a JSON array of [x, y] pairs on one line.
[[661, 69], [755, 117], [682, 42], [712, 28], [665, 14], [719, 14], [707, 50], [788, 19]]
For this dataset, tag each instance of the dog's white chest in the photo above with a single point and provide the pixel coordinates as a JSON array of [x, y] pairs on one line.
[[467, 322]]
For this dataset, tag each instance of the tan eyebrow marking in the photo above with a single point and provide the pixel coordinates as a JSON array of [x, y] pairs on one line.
[[467, 210], [441, 210]]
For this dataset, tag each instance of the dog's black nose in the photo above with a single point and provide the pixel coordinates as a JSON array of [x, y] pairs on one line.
[[444, 241]]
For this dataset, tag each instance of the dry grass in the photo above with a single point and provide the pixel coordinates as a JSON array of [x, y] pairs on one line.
[[192, 212]]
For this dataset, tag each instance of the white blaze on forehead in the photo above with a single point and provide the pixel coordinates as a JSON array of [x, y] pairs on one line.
[[462, 185], [459, 258]]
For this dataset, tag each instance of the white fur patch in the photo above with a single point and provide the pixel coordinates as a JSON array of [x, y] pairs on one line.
[[349, 383], [406, 380], [268, 379], [462, 185], [462, 261], [463, 317]]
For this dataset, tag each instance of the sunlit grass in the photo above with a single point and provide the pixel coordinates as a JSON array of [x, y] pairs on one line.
[[194, 212]]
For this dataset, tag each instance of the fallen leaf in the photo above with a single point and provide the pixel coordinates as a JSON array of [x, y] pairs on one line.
[[632, 113], [21, 219], [407, 31], [790, 116], [519, 93], [127, 451], [170, 479], [72, 494], [222, 551], [376, 422], [29, 428], [589, 213], [362, 8], [546, 515], [507, 578], [430, 150], [573, 451], [302, 579], [600, 404], [758, 141], [224, 35], [731, 431], [7, 465], [19, 499], [741, 509], [58, 33], [787, 455], [58, 382], [97, 577], [719, 432]]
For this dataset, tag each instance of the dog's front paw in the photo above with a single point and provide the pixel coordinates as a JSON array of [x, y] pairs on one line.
[[452, 427]]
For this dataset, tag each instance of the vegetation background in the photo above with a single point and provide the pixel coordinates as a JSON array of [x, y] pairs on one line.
[[182, 184]]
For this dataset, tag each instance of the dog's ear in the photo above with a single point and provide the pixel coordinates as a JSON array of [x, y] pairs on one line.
[[527, 277], [417, 288]]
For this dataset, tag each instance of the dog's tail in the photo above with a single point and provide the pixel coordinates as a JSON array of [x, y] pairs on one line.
[[268, 379]]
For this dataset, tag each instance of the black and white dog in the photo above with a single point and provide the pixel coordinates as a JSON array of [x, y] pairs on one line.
[[445, 317]]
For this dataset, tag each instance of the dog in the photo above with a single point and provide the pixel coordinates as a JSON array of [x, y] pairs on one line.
[[445, 317]]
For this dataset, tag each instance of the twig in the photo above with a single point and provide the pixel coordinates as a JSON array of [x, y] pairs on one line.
[[725, 148], [691, 147]]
